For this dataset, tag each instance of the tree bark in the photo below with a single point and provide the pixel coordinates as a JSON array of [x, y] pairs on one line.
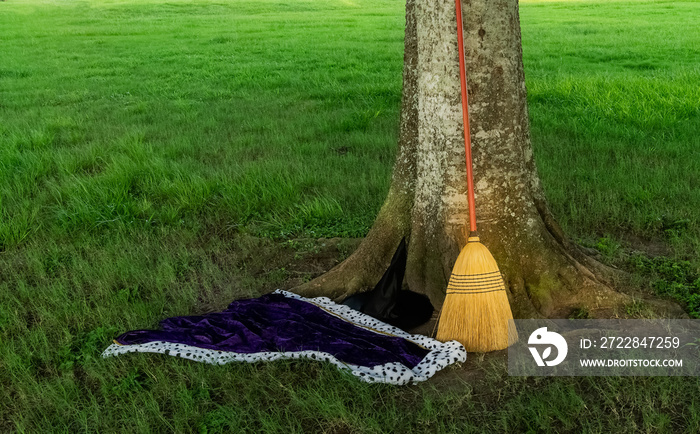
[[546, 274]]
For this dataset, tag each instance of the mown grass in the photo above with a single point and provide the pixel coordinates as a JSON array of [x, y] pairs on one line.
[[146, 147], [615, 107], [125, 114]]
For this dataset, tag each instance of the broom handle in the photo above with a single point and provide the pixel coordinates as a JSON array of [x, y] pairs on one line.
[[465, 116]]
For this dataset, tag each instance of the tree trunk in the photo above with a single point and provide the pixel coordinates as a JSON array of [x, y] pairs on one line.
[[545, 273]]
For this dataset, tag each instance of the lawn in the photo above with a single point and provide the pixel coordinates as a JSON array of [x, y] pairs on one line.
[[163, 158]]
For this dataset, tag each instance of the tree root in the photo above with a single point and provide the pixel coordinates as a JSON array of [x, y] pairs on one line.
[[364, 267]]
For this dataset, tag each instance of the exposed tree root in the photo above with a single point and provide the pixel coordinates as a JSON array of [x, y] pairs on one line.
[[365, 266], [555, 280], [546, 274]]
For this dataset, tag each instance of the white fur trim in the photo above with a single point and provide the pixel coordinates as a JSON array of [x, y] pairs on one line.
[[441, 355]]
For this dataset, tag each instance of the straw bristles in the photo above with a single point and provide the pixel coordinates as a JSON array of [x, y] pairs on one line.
[[476, 309]]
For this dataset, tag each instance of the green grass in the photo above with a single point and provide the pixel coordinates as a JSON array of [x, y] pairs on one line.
[[676, 279], [119, 115], [162, 158], [615, 110]]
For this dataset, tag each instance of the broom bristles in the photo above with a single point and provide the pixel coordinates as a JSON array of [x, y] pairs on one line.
[[476, 309]]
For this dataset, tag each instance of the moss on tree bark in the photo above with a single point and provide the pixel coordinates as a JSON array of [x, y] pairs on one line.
[[546, 274]]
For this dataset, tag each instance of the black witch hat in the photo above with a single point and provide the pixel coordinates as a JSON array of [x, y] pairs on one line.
[[387, 302]]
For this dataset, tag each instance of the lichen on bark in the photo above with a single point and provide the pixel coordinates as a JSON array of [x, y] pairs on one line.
[[545, 273]]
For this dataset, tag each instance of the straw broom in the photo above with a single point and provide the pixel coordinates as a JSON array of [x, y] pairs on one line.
[[476, 309]]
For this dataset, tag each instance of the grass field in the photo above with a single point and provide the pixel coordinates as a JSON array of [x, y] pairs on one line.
[[163, 158]]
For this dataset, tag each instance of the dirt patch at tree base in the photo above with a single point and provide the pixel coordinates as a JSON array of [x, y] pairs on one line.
[[260, 265]]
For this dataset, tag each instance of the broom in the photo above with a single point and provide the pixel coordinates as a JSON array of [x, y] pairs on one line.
[[476, 309]]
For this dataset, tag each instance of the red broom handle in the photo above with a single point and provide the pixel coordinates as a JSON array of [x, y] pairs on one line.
[[465, 116]]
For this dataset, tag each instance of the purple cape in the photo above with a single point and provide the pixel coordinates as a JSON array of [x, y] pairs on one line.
[[284, 325]]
